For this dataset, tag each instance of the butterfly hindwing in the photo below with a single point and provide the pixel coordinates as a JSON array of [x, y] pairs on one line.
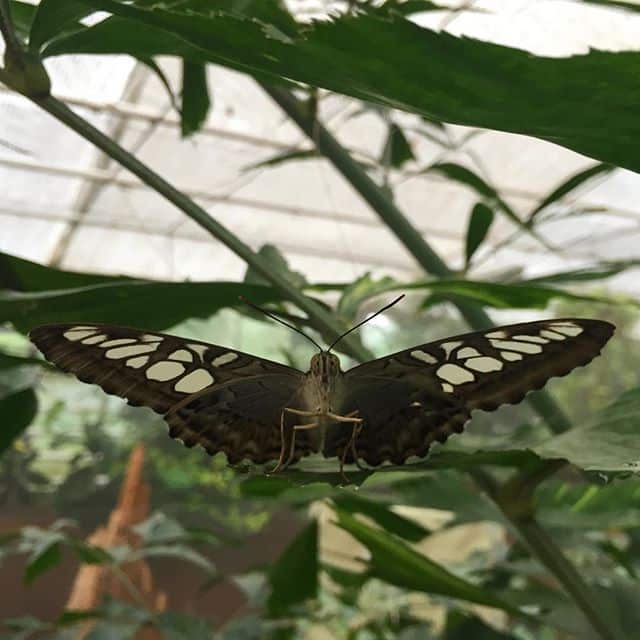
[[164, 372], [439, 383]]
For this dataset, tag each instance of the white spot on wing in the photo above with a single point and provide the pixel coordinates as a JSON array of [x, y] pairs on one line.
[[522, 347], [165, 370], [95, 339], [132, 350], [149, 337], [117, 343], [484, 364], [552, 335], [467, 352], [455, 374], [567, 328], [446, 387], [198, 348], [137, 363], [496, 334], [535, 339], [423, 356], [225, 358], [509, 356], [182, 355], [450, 346], [78, 334], [194, 381]]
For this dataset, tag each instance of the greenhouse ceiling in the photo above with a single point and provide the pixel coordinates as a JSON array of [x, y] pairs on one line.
[[64, 204]]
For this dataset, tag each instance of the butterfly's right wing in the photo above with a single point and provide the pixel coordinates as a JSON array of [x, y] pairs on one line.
[[221, 399]]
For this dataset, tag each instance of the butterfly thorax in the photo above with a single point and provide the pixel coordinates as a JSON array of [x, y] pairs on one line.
[[322, 383]]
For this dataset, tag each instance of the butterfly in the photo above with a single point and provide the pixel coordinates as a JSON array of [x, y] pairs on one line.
[[387, 409]]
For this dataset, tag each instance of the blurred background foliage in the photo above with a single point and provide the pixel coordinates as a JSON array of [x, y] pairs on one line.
[[470, 543]]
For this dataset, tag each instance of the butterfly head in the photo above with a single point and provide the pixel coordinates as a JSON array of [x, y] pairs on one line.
[[324, 367]]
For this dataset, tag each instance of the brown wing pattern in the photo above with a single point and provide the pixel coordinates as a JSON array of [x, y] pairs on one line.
[[241, 418], [432, 388], [172, 376]]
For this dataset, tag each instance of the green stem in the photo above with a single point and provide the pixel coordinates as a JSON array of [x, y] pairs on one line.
[[323, 319], [544, 548]]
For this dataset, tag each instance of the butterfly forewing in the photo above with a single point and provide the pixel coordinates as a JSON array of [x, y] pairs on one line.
[[438, 384], [239, 396]]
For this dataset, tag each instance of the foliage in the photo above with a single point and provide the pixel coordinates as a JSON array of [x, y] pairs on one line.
[[386, 576]]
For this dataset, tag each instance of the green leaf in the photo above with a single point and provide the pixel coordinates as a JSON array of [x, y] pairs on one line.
[[599, 271], [281, 158], [22, 14], [382, 515], [42, 559], [479, 224], [159, 528], [465, 176], [609, 444], [120, 621], [18, 411], [485, 85], [448, 490], [397, 149], [179, 626], [294, 577], [590, 506], [162, 76], [90, 554], [54, 18], [179, 551], [18, 274], [504, 296], [396, 563], [195, 97], [361, 289], [272, 255], [570, 185], [136, 303]]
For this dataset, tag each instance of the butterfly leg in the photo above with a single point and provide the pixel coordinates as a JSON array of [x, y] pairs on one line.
[[281, 464], [296, 428]]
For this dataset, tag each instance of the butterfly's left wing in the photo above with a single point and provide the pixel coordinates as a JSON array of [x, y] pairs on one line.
[[223, 399], [416, 396]]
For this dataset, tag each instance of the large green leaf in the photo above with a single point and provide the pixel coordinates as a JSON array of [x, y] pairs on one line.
[[397, 563], [150, 305], [610, 443], [443, 77], [54, 18], [294, 578], [18, 274], [17, 411]]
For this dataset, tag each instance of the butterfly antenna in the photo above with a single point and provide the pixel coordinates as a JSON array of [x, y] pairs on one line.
[[280, 320], [371, 317]]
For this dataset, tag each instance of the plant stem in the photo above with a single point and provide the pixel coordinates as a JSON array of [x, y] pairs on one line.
[[324, 320], [544, 548]]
